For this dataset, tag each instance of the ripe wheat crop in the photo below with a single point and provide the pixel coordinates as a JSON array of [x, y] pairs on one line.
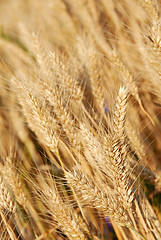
[[80, 120]]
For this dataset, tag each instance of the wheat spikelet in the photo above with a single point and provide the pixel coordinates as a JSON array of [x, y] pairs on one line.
[[125, 74], [117, 152], [44, 124], [13, 180], [117, 139], [54, 70], [66, 219], [120, 113], [154, 35], [96, 75], [94, 146], [63, 115], [6, 201], [66, 79], [90, 194], [41, 57], [129, 81]]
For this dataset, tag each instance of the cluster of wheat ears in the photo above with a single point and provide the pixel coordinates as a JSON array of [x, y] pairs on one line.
[[80, 119]]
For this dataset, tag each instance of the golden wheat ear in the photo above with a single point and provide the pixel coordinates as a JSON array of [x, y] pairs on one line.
[[13, 179], [6, 206], [63, 215], [6, 202], [91, 195], [118, 151], [129, 81]]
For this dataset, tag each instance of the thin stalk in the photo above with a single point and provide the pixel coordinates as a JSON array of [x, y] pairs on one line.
[[139, 234]]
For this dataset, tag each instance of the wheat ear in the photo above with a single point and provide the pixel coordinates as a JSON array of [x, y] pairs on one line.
[[129, 81], [154, 34], [64, 217], [118, 152], [13, 180], [94, 68], [53, 67], [90, 194], [6, 202], [6, 205]]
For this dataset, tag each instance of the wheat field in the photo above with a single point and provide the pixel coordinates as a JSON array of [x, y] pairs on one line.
[[80, 119]]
